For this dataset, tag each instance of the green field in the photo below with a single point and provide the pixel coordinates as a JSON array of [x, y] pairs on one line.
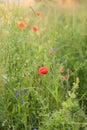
[[43, 67]]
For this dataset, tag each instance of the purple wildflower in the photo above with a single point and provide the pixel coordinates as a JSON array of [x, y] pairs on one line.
[[17, 94]]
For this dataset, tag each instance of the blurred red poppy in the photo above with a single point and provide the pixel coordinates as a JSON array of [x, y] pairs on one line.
[[62, 70], [43, 70], [38, 14], [35, 28], [22, 24], [65, 77]]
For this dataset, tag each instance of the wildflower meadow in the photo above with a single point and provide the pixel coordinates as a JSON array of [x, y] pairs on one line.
[[43, 65]]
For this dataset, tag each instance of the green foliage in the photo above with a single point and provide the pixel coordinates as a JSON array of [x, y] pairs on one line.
[[82, 94], [66, 116], [30, 100]]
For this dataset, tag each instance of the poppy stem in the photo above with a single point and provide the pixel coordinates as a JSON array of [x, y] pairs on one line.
[[33, 10], [57, 94]]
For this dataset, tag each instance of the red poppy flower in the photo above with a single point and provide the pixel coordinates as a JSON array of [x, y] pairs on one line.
[[38, 14], [43, 70], [62, 70], [22, 24], [65, 77], [35, 28]]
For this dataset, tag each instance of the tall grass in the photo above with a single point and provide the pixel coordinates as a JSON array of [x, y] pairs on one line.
[[32, 101]]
